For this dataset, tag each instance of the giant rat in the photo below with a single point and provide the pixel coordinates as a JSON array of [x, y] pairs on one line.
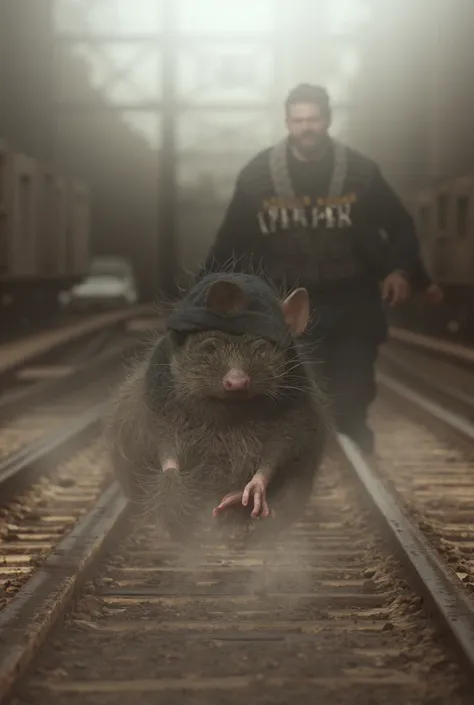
[[224, 410]]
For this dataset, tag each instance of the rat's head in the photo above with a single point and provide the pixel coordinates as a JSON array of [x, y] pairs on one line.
[[231, 366]]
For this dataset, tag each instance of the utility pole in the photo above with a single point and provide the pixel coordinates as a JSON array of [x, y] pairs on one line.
[[168, 201]]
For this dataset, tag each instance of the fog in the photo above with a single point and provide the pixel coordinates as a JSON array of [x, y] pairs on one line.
[[399, 75]]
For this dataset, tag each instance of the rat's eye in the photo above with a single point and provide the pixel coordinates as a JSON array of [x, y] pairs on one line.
[[208, 346], [262, 347]]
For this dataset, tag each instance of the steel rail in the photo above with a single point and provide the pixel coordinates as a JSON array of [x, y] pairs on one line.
[[27, 620], [433, 580], [39, 392], [36, 347]]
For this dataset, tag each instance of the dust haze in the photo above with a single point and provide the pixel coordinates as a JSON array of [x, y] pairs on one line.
[[239, 559]]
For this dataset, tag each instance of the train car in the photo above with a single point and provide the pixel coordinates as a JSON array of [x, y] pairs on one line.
[[444, 215], [44, 236]]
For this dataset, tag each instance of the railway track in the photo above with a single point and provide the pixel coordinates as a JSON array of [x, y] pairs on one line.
[[32, 523], [35, 416], [328, 614], [437, 347], [449, 382], [30, 417], [38, 385], [44, 348], [423, 420], [433, 476], [39, 499], [37, 327], [354, 606]]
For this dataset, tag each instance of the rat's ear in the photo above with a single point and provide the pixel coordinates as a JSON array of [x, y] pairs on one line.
[[226, 297], [296, 311]]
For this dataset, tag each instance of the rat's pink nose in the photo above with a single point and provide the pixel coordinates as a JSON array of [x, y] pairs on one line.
[[236, 380]]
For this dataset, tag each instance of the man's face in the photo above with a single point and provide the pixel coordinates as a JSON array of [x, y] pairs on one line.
[[307, 126]]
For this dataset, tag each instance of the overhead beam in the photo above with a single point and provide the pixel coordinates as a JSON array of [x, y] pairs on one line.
[[181, 106], [187, 38]]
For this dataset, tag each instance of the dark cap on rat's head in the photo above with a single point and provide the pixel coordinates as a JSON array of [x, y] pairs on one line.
[[234, 303]]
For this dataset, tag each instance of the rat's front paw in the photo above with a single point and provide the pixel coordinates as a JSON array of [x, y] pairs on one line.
[[233, 499], [257, 488]]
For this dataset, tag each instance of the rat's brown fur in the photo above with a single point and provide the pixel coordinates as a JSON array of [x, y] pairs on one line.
[[173, 404]]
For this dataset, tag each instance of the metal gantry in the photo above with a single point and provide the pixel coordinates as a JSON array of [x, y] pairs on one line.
[[212, 98], [195, 74]]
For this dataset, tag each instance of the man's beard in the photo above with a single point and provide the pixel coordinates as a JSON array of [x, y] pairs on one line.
[[311, 147]]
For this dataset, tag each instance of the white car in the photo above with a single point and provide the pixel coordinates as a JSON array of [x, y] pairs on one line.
[[110, 284]]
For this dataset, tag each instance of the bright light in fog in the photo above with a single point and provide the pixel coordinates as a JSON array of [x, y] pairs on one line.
[[136, 16], [224, 16]]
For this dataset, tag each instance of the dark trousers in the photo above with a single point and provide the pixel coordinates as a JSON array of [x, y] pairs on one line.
[[343, 341], [345, 368]]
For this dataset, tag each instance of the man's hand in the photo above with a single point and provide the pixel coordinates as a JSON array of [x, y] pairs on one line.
[[433, 294], [395, 288]]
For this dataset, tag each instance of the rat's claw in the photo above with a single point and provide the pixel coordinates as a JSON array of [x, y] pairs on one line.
[[228, 501], [257, 487]]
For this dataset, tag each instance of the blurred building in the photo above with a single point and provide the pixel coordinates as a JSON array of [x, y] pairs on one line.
[[414, 93], [27, 116]]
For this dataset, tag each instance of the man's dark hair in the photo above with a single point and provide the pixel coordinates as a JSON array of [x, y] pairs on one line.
[[307, 93]]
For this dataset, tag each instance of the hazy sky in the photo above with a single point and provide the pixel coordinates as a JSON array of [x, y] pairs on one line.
[[253, 76], [198, 15]]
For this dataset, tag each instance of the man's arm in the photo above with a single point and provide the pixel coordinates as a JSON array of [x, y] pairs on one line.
[[404, 250], [387, 212], [405, 264], [420, 278]]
